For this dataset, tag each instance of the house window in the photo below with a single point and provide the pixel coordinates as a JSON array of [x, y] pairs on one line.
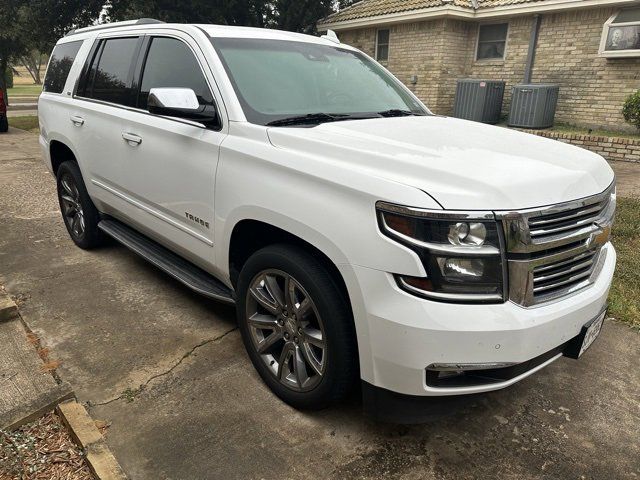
[[382, 45], [492, 40], [621, 34]]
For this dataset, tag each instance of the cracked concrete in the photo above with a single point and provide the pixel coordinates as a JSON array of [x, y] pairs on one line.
[[145, 384], [117, 323]]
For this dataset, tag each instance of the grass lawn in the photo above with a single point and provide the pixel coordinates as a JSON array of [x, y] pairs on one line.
[[624, 299], [28, 123], [24, 90]]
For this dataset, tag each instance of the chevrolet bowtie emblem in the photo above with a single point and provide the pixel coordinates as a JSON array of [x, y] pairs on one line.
[[601, 237]]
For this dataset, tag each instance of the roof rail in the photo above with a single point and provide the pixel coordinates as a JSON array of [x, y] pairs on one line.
[[104, 26]]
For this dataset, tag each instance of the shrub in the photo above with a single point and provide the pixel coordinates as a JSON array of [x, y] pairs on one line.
[[631, 109]]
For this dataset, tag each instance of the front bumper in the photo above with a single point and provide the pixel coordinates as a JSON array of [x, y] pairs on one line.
[[406, 334]]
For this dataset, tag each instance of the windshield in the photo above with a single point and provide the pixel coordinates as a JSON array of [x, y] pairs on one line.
[[277, 81]]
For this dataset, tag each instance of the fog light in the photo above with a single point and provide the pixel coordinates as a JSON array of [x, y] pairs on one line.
[[461, 267]]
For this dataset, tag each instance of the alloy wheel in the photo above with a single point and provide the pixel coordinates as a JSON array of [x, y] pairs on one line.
[[286, 330], [72, 206]]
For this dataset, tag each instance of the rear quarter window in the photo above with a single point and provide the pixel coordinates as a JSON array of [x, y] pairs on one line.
[[62, 59]]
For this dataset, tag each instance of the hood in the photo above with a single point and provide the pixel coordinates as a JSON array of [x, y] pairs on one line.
[[463, 165]]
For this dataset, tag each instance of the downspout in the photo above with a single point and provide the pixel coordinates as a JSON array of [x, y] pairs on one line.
[[533, 42]]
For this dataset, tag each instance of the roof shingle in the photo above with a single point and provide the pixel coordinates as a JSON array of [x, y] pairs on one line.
[[376, 8]]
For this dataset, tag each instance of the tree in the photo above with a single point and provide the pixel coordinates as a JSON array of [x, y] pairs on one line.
[[292, 15], [32, 61], [12, 44], [252, 13], [45, 21], [35, 25], [302, 15]]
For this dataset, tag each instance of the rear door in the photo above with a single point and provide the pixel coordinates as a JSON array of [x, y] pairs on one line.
[[99, 116]]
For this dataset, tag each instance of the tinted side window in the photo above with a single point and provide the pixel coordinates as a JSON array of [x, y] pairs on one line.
[[112, 76], [60, 64], [170, 63]]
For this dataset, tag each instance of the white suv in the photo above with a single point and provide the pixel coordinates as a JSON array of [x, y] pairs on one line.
[[358, 234]]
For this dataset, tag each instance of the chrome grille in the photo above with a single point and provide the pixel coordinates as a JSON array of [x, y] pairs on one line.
[[556, 251], [565, 274], [566, 222]]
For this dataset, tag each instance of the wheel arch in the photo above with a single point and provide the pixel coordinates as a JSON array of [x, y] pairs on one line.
[[250, 235], [60, 151]]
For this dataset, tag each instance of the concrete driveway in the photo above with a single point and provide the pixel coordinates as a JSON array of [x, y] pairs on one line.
[[167, 369]]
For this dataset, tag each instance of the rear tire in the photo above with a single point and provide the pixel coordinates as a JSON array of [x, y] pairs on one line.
[[4, 124], [80, 215], [302, 343]]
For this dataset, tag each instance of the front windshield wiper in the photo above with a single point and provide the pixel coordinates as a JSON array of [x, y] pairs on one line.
[[399, 113], [318, 118], [309, 119]]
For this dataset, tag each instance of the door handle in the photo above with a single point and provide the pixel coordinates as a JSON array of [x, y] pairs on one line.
[[76, 120], [132, 139]]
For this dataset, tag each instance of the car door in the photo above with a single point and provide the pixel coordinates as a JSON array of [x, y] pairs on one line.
[[156, 173], [102, 96], [171, 163]]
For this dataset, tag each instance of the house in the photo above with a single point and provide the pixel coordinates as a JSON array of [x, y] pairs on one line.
[[590, 48]]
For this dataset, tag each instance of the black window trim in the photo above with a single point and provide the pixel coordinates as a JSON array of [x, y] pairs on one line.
[[141, 61], [81, 81], [49, 62], [138, 67], [94, 57]]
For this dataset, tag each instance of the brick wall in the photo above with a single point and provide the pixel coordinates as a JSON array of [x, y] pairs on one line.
[[511, 69], [592, 89], [431, 50], [611, 148]]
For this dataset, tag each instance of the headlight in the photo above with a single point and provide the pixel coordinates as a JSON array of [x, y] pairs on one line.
[[461, 252]]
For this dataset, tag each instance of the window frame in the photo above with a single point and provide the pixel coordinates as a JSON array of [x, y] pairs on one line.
[[378, 44], [94, 57], [606, 28], [143, 57], [506, 42], [138, 70]]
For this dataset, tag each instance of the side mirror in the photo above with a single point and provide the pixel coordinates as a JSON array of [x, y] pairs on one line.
[[181, 103]]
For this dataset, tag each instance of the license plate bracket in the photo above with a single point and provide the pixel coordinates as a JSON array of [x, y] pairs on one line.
[[588, 334]]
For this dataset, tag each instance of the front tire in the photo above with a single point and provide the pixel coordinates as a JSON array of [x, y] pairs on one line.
[[297, 327], [80, 215], [4, 124]]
